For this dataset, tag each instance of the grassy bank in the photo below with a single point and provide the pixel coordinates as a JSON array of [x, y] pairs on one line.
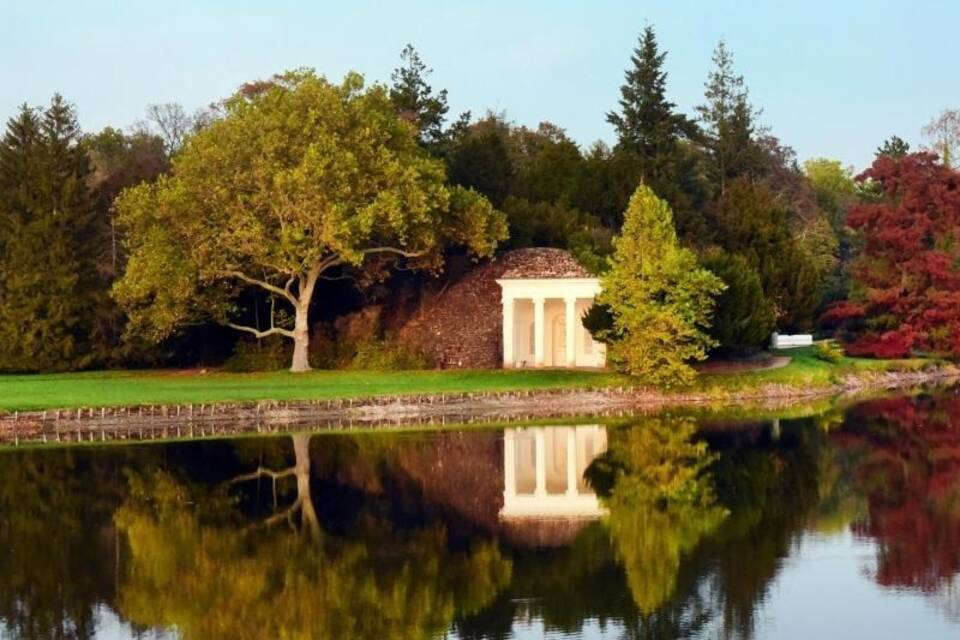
[[807, 371], [131, 388]]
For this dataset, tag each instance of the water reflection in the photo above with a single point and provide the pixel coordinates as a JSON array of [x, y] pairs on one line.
[[660, 528]]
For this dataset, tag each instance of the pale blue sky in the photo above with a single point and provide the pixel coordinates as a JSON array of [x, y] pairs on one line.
[[834, 78]]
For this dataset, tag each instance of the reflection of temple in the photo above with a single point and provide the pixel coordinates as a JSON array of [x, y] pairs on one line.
[[543, 470]]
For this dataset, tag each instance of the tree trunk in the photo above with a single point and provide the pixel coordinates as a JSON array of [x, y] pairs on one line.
[[301, 339], [309, 521]]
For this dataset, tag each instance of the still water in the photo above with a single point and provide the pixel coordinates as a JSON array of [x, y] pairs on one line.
[[846, 525]]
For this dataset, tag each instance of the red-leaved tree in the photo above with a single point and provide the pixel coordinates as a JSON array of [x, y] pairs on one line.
[[906, 278]]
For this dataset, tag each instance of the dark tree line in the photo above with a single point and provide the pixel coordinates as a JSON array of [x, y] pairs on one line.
[[774, 233]]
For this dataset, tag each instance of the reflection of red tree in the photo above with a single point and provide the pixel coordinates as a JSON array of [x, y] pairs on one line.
[[910, 474]]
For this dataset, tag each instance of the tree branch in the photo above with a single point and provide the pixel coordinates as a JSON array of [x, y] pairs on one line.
[[263, 284], [395, 250], [261, 334]]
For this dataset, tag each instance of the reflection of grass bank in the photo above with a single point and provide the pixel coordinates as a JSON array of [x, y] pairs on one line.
[[804, 376]]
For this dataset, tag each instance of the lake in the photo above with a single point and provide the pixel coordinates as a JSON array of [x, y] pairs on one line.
[[842, 525]]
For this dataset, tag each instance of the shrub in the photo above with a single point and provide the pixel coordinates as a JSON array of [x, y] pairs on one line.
[[744, 316], [828, 351], [387, 355], [269, 354]]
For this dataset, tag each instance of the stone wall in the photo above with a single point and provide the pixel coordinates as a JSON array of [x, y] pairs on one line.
[[461, 327]]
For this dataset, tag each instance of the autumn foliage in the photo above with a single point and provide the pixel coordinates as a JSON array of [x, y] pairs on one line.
[[906, 292], [909, 470]]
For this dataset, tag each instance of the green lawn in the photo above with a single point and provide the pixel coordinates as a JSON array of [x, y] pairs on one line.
[[131, 388], [99, 389], [806, 370]]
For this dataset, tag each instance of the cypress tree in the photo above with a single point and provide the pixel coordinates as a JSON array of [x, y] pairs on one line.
[[46, 211]]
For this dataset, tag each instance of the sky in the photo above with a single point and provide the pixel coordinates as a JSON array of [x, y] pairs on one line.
[[833, 78]]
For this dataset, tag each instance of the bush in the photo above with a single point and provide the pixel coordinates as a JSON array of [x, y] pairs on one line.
[[269, 354], [743, 317], [386, 355], [828, 351]]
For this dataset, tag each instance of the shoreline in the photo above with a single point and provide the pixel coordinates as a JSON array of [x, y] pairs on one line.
[[153, 422]]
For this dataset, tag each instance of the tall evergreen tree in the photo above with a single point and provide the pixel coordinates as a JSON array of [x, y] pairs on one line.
[[46, 207], [647, 122], [728, 120], [415, 100], [651, 136]]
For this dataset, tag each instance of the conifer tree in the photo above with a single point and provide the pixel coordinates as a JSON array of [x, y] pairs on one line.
[[728, 121], [415, 100], [46, 208], [652, 137], [660, 299]]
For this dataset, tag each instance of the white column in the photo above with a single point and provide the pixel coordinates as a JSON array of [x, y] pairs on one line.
[[509, 466], [540, 462], [572, 478], [571, 326], [538, 332], [509, 330]]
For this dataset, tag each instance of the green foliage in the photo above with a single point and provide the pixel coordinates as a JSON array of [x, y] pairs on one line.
[[415, 100], [754, 224], [299, 178], [834, 187], [268, 354], [481, 160], [652, 140], [894, 147], [49, 287], [388, 355], [660, 298], [743, 318], [828, 351], [728, 120]]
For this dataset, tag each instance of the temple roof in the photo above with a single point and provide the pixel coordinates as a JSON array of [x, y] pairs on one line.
[[541, 262]]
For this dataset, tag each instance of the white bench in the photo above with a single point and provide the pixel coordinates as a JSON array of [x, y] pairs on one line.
[[778, 341]]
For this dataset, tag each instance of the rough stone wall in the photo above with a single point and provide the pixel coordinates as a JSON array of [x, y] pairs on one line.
[[461, 326]]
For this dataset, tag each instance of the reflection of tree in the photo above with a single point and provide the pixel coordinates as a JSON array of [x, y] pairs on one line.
[[196, 566], [909, 469], [54, 525], [661, 503], [770, 486], [300, 470]]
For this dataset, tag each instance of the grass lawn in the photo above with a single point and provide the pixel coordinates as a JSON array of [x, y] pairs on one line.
[[131, 388], [120, 388], [805, 370]]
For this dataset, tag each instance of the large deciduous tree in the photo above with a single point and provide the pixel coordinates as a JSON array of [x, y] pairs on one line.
[[660, 299], [301, 180], [906, 292]]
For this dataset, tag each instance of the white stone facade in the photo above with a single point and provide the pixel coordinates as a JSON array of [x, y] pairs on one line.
[[542, 323]]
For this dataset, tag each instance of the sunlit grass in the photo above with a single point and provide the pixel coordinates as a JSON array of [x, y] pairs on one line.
[[132, 388]]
